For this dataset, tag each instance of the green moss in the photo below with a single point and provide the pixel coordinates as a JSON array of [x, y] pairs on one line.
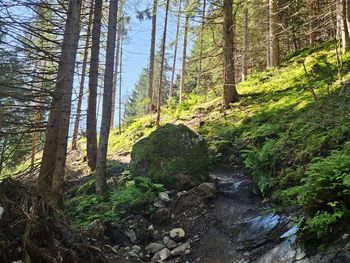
[[170, 151]]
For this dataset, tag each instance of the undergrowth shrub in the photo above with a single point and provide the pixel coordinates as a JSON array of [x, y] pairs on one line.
[[326, 193], [131, 197], [262, 162]]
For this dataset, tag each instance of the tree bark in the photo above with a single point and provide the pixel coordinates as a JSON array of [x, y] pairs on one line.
[[171, 88], [116, 65], [161, 71], [54, 155], [120, 88], [244, 44], [101, 183], [273, 34], [184, 54], [312, 16], [230, 91], [82, 81], [344, 26], [150, 106], [91, 134], [201, 45]]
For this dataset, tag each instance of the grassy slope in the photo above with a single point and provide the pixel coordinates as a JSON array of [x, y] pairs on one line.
[[277, 130], [297, 149]]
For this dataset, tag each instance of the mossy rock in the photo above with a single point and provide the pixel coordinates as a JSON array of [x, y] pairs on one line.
[[173, 155]]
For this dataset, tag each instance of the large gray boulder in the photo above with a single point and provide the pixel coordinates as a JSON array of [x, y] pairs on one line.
[[173, 155]]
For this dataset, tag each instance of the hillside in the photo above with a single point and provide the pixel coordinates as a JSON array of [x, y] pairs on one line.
[[295, 144]]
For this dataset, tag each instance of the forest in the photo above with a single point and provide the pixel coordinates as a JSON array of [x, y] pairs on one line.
[[209, 131]]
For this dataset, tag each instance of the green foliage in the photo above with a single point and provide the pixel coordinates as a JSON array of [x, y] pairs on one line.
[[262, 161], [132, 197], [294, 147], [326, 192]]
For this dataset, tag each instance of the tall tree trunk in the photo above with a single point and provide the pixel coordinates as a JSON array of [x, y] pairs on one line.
[[201, 45], [35, 140], [312, 17], [91, 119], [171, 88], [184, 53], [82, 81], [101, 183], [244, 44], [120, 88], [150, 106], [116, 65], [230, 91], [273, 34], [54, 155], [160, 88], [2, 154], [344, 26]]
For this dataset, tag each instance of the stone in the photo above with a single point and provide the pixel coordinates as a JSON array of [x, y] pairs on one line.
[[242, 190], [291, 232], [177, 234], [2, 211], [161, 217], [136, 249], [96, 229], [156, 257], [254, 232], [131, 235], [166, 240], [133, 254], [173, 155], [180, 249], [171, 244], [154, 247], [164, 197], [283, 252], [164, 254], [207, 190]]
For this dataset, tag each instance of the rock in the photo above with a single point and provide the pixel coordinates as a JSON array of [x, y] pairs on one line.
[[164, 254], [131, 235], [173, 155], [207, 190], [150, 228], [158, 205], [242, 190], [154, 247], [180, 249], [166, 240], [133, 254], [161, 217], [291, 232], [96, 229], [254, 232], [169, 243], [2, 210], [136, 249], [283, 252], [156, 257], [164, 197], [177, 234]]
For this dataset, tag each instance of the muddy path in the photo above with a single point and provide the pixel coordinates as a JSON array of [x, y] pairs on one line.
[[238, 201]]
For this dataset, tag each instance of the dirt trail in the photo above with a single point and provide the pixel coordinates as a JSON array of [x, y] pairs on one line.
[[218, 242]]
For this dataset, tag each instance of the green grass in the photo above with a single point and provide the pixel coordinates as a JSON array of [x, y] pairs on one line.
[[276, 130]]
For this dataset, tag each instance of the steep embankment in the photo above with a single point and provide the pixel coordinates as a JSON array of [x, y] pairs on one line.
[[290, 129]]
